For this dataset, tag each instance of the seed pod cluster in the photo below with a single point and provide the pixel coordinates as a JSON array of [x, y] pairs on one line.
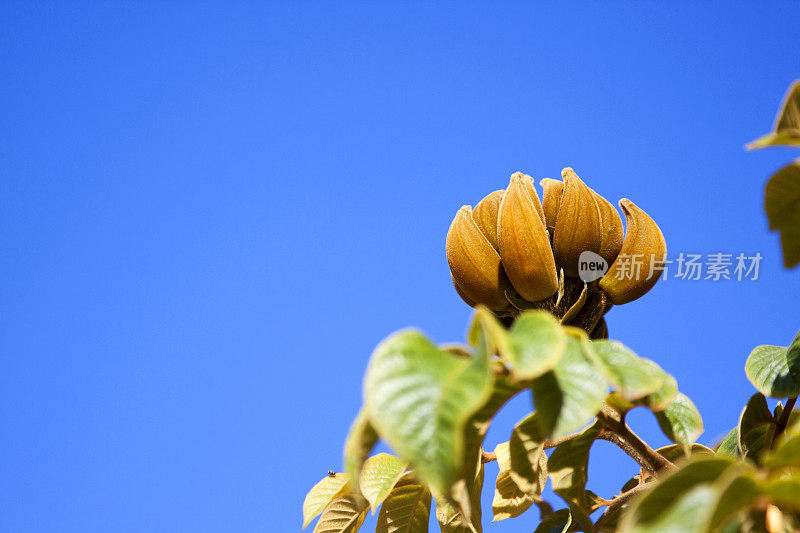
[[514, 251]]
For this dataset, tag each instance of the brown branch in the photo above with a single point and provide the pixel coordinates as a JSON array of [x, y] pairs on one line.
[[616, 503], [488, 457], [616, 431]]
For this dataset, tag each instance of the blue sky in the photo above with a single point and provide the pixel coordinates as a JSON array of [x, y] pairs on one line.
[[211, 214]]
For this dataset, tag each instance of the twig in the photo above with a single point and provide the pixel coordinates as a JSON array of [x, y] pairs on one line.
[[616, 503], [619, 433]]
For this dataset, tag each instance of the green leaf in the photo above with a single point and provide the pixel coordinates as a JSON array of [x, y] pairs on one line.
[[528, 462], [557, 522], [682, 500], [568, 397], [453, 521], [406, 508], [774, 370], [782, 204], [665, 395], [324, 492], [786, 130], [676, 452], [345, 514], [378, 477], [729, 447], [567, 466], [787, 453], [690, 513], [756, 427], [631, 376], [536, 342], [419, 399], [681, 422], [738, 489], [509, 499], [360, 441]]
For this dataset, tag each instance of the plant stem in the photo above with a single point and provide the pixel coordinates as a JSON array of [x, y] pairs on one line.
[[616, 503], [780, 425], [618, 432]]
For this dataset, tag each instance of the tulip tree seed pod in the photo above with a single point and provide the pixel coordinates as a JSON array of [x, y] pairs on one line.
[[551, 198], [644, 245], [524, 242], [474, 263], [485, 215], [611, 224], [527, 181], [577, 223]]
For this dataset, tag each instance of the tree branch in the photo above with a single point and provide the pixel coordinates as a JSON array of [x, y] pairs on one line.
[[616, 503], [619, 433]]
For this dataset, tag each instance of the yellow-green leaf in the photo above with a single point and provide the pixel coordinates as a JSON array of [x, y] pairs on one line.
[[360, 441], [378, 476], [528, 462], [419, 399], [568, 397], [321, 494], [775, 370], [406, 509], [536, 342], [509, 499], [631, 376], [786, 130], [345, 514], [567, 466], [681, 421]]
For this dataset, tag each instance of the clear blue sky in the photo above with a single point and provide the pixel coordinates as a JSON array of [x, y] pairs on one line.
[[210, 215]]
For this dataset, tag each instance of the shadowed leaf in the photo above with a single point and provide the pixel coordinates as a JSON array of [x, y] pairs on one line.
[[406, 509]]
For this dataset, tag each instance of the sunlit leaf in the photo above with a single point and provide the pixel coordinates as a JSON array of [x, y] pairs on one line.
[[786, 130], [528, 462], [774, 370], [756, 427], [568, 397], [345, 514], [360, 441], [567, 466], [419, 399], [631, 376], [681, 421], [509, 499], [536, 343], [729, 447], [324, 492], [378, 476], [406, 509]]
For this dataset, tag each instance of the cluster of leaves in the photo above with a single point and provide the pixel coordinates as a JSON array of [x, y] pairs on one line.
[[432, 405], [782, 193]]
